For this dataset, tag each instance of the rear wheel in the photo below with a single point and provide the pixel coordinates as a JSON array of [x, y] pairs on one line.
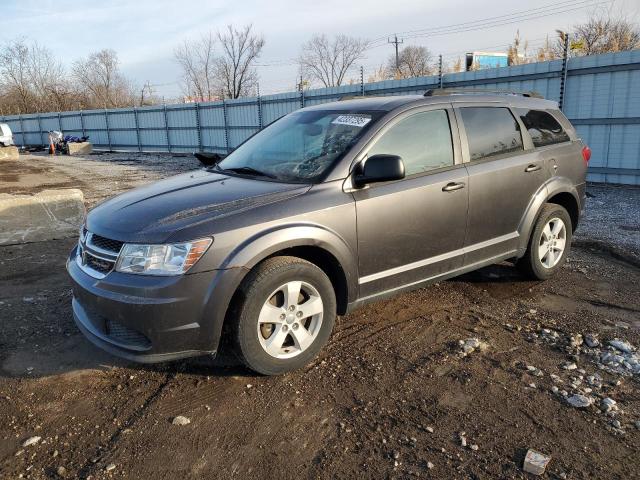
[[286, 314], [549, 244]]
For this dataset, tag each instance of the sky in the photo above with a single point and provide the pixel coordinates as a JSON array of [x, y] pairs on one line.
[[145, 33]]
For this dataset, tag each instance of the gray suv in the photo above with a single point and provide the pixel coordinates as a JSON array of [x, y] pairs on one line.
[[328, 208]]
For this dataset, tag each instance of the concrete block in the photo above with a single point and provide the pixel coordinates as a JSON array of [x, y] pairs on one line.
[[82, 148], [9, 153], [46, 215]]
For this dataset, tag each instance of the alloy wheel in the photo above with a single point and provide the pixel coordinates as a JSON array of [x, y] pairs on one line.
[[553, 241], [290, 319]]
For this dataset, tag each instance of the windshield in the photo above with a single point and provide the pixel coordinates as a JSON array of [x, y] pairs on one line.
[[301, 147]]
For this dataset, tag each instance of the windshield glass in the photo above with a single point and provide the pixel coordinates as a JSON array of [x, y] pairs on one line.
[[300, 147]]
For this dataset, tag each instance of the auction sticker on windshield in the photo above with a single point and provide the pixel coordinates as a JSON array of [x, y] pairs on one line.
[[352, 120]]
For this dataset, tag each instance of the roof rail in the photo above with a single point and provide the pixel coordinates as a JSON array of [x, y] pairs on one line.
[[433, 92], [351, 97]]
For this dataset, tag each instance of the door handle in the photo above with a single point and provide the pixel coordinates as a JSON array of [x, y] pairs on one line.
[[532, 168], [452, 187]]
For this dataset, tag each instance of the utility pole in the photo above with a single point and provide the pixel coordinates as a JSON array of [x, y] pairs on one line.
[[396, 42]]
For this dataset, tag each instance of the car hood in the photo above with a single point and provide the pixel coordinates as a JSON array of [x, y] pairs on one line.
[[180, 206]]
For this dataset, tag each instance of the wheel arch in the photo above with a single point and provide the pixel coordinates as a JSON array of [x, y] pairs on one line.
[[316, 244], [557, 190]]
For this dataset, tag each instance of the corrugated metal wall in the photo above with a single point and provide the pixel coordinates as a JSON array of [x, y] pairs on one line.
[[602, 99]]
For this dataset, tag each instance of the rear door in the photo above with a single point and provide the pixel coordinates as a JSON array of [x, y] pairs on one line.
[[503, 177], [413, 229]]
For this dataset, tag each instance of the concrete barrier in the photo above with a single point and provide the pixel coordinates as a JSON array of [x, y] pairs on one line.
[[9, 153], [46, 215], [82, 148]]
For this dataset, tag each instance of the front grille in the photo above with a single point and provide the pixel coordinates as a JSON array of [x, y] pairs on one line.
[[106, 243], [97, 255], [126, 335], [98, 264]]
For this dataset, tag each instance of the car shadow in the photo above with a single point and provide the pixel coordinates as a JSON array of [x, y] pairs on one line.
[[504, 272], [75, 356]]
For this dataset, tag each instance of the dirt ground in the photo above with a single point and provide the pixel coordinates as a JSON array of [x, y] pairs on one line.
[[391, 396]]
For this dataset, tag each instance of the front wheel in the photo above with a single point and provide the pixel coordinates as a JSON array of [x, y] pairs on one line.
[[549, 244], [286, 313]]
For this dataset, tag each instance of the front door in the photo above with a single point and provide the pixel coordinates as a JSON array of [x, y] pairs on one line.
[[413, 229]]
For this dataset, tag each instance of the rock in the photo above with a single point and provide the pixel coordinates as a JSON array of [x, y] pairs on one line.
[[591, 340], [637, 424], [535, 462], [569, 366], [471, 344], [474, 447], [533, 311], [61, 471], [532, 385], [463, 441], [430, 465], [554, 389], [607, 404], [31, 441], [579, 401], [575, 340], [110, 467], [249, 385], [621, 345], [429, 429], [180, 420]]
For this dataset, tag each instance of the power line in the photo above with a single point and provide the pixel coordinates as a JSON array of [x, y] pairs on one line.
[[493, 24], [528, 14]]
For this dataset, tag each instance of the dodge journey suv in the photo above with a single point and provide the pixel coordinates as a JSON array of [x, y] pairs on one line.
[[328, 208]]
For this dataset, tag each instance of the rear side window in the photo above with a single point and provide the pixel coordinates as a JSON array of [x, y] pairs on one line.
[[543, 128], [423, 141], [491, 131]]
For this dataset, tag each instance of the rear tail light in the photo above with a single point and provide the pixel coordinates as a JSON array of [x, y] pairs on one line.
[[586, 154]]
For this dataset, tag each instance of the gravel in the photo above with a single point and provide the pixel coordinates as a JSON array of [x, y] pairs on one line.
[[612, 216]]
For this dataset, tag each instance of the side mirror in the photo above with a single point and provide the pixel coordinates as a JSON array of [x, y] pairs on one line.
[[379, 168]]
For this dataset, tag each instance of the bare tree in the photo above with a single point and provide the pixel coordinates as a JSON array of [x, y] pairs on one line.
[[198, 62], [99, 77], [517, 52], [603, 34], [32, 79], [328, 61], [412, 62], [235, 68], [380, 74], [14, 71]]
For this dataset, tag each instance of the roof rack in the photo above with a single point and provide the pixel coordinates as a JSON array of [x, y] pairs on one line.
[[433, 92]]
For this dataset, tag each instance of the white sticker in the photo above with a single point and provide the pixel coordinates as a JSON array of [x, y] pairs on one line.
[[352, 120]]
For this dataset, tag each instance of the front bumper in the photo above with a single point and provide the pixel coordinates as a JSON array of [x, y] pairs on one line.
[[150, 319]]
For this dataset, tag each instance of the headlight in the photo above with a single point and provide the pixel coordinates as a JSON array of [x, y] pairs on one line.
[[172, 259]]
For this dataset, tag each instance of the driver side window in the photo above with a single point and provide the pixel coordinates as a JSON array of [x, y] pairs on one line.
[[422, 140]]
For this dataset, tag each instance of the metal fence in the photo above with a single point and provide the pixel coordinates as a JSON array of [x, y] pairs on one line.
[[600, 94]]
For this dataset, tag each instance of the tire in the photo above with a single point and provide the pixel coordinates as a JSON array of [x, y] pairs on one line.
[[272, 334], [543, 258]]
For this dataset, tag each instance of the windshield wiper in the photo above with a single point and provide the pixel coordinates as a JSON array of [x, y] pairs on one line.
[[247, 170]]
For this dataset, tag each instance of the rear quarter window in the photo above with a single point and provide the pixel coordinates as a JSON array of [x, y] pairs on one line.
[[491, 131], [543, 127]]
